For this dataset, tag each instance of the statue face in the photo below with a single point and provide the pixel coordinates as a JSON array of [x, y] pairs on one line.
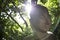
[[40, 20]]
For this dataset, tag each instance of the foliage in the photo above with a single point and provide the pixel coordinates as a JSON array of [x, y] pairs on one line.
[[10, 29], [54, 11]]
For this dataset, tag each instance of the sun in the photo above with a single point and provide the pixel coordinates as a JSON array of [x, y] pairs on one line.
[[28, 7]]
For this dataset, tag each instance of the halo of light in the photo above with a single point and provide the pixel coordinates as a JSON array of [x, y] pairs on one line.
[[28, 7]]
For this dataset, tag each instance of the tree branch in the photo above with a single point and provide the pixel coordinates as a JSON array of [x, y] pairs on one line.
[[14, 20], [58, 21], [24, 20]]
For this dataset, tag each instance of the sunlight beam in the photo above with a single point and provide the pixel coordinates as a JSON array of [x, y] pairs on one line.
[[28, 7]]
